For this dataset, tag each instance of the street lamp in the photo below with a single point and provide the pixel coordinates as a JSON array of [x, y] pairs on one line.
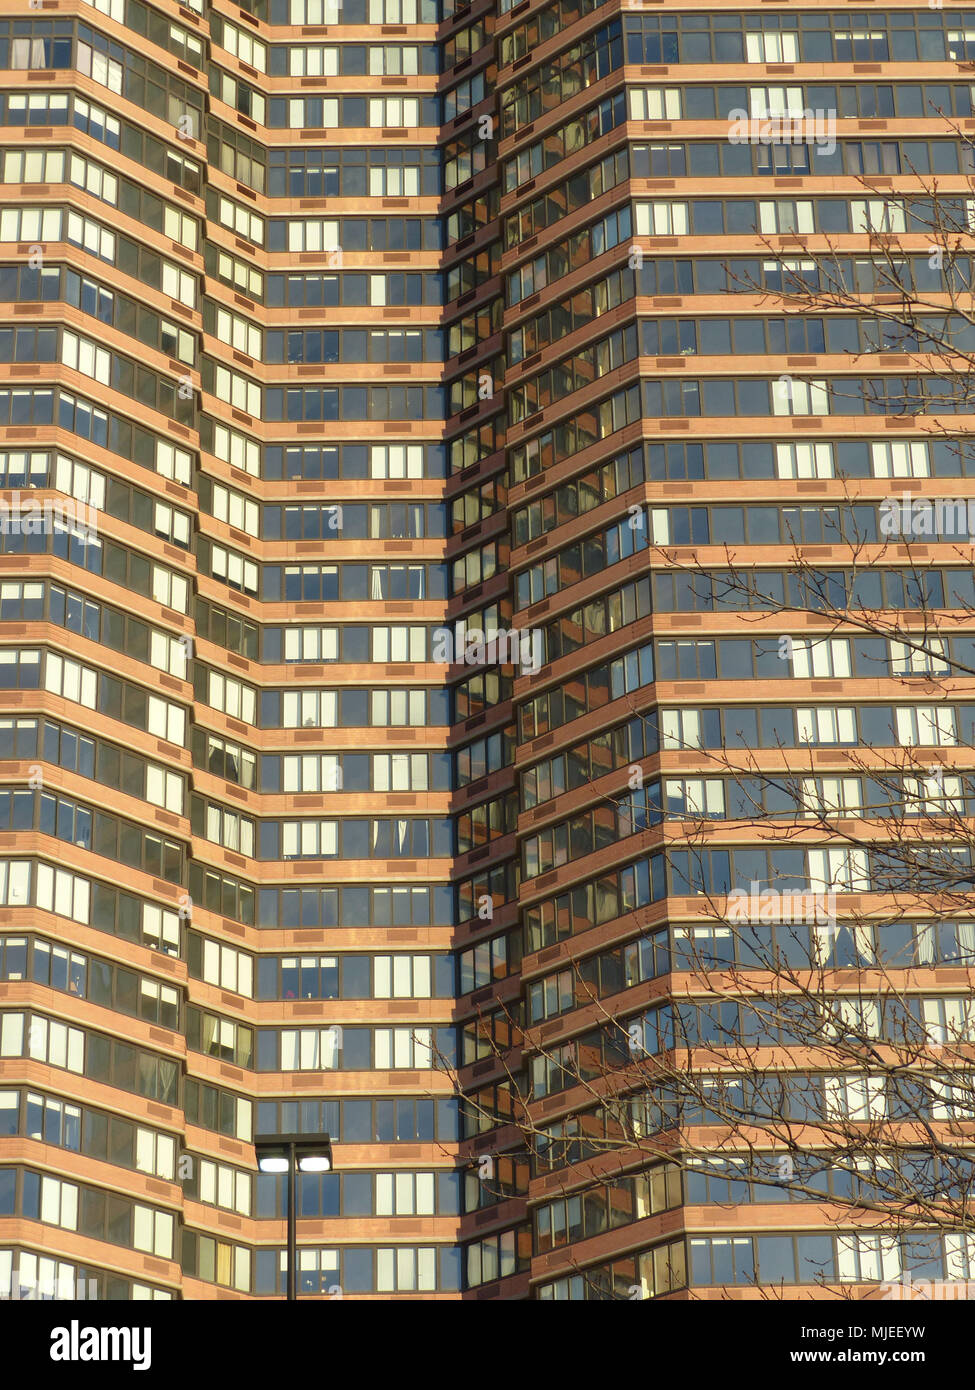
[[285, 1153]]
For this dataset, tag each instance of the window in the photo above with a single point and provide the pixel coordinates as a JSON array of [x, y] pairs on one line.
[[404, 1047], [405, 1194], [399, 644], [312, 772], [99, 67], [221, 965], [71, 680], [223, 1186], [394, 111], [311, 644], [804, 460], [925, 725], [396, 461], [404, 1269], [786, 217], [232, 697], [655, 103], [155, 1153], [234, 569], [237, 450], [661, 219], [239, 333], [906, 460], [402, 977], [791, 396], [309, 709], [237, 390], [160, 928], [309, 1049], [772, 47], [243, 46], [46, 1041], [877, 215], [827, 656]]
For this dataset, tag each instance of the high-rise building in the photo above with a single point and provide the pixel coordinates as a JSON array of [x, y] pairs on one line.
[[411, 413]]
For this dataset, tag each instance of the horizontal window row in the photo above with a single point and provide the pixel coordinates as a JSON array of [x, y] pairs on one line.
[[319, 772], [323, 709], [795, 1097], [350, 287], [782, 726], [400, 976], [403, 1193], [419, 1048], [801, 101], [54, 283], [755, 459], [67, 44], [88, 977], [343, 112], [819, 524], [648, 1274], [348, 59], [316, 403], [791, 216], [90, 1211], [868, 869], [829, 1259], [606, 1208], [407, 1119], [29, 1275], [589, 690], [122, 700], [104, 906], [100, 427], [82, 1129], [830, 657], [99, 1058], [50, 224], [92, 829], [63, 108], [348, 905], [331, 236], [537, 158], [361, 1269], [354, 837]]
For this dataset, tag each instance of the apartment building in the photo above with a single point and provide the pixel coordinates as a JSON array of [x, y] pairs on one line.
[[414, 432]]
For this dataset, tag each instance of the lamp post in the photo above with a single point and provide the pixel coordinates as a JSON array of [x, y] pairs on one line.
[[288, 1153]]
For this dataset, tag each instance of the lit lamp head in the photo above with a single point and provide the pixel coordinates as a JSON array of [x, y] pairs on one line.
[[312, 1154], [272, 1158]]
